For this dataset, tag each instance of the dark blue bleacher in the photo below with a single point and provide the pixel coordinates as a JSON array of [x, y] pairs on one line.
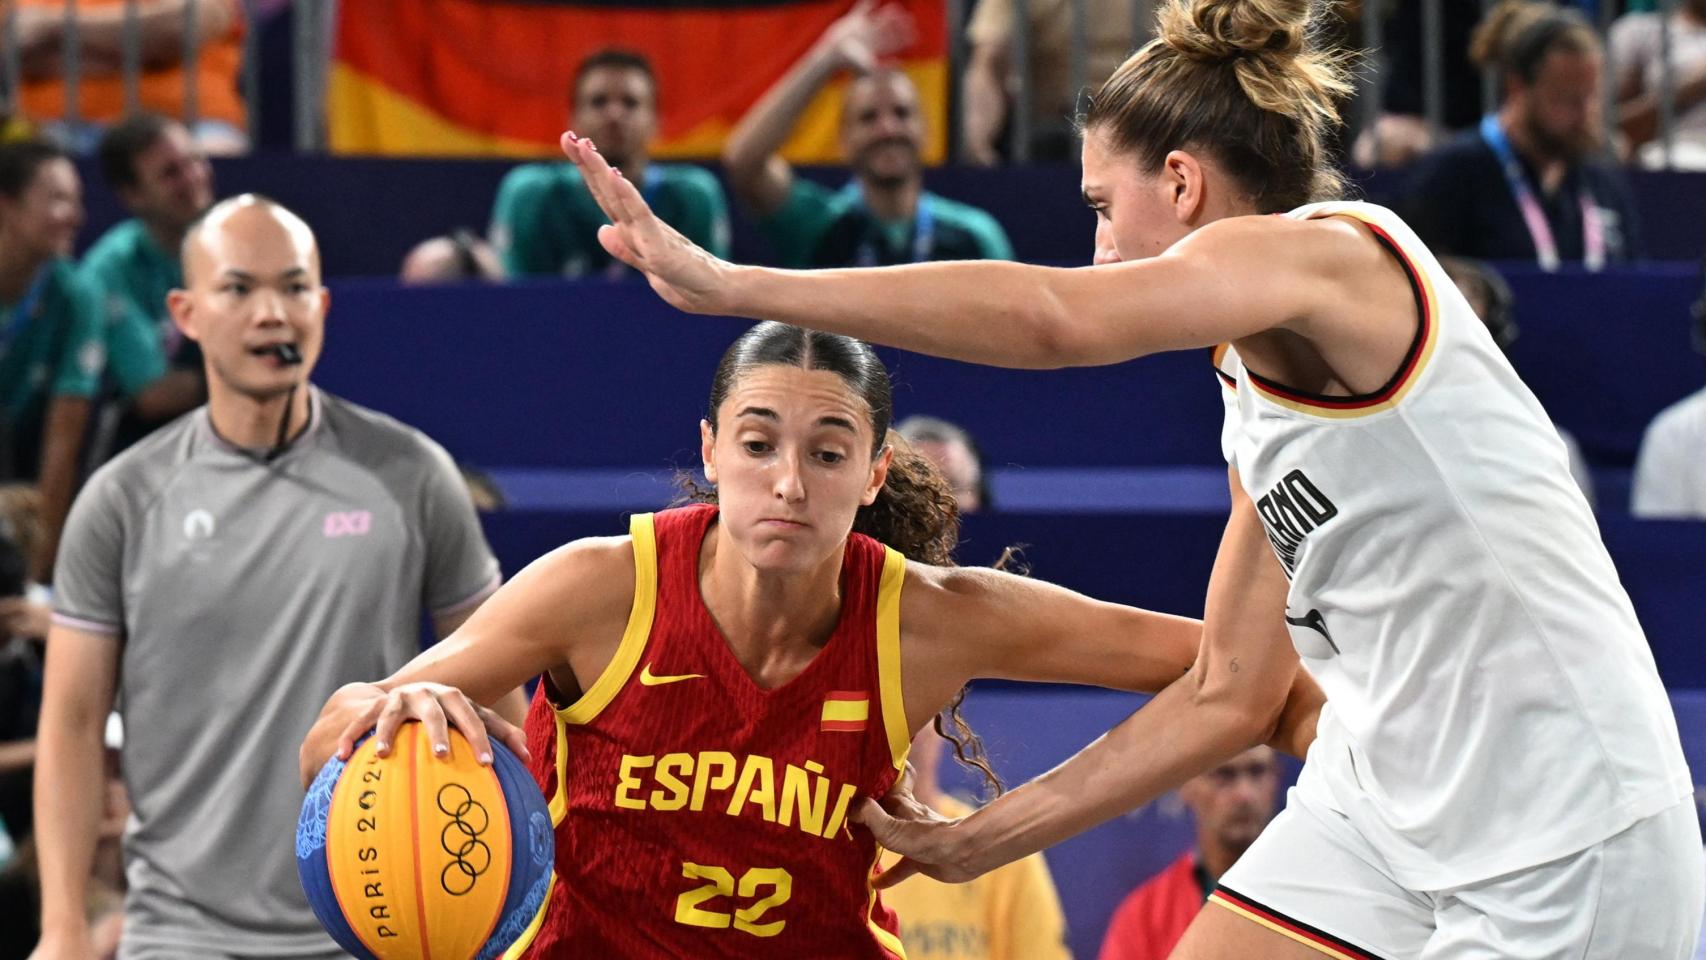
[[369, 211]]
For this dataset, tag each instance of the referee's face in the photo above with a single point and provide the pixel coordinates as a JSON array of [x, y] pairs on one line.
[[252, 277], [790, 455]]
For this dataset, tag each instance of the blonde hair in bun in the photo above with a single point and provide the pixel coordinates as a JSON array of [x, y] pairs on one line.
[[1243, 79]]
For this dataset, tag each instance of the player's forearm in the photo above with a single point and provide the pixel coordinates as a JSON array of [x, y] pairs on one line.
[[1294, 730], [68, 794], [764, 128], [1175, 736], [980, 311]]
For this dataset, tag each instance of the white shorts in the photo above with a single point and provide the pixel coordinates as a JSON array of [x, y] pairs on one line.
[[1638, 894]]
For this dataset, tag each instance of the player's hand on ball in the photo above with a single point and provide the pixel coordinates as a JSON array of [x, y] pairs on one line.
[[358, 708], [684, 274], [928, 842]]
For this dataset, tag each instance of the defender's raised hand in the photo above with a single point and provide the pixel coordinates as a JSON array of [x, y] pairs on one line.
[[684, 274]]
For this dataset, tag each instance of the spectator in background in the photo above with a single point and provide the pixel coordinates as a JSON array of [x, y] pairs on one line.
[[459, 256], [1232, 804], [1009, 913], [990, 84], [955, 453], [885, 216], [21, 634], [51, 352], [1491, 299], [1670, 472], [220, 124], [1638, 59], [544, 223], [165, 182], [1527, 185], [1400, 134]]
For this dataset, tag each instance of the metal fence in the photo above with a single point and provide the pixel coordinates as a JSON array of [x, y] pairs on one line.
[[313, 24]]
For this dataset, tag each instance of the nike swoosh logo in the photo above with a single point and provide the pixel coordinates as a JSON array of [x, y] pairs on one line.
[[650, 679], [1314, 621]]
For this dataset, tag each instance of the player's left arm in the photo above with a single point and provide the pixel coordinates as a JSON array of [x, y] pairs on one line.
[[512, 706], [1233, 696], [1228, 280], [965, 623]]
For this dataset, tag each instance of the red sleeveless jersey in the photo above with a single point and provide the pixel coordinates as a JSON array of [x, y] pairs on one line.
[[698, 815]]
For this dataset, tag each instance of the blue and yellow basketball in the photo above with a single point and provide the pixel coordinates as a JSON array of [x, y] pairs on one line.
[[413, 856]]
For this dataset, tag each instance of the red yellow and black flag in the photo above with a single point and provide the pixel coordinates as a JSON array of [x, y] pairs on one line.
[[491, 77]]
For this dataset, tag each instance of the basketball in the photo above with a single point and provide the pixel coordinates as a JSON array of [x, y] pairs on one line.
[[413, 856]]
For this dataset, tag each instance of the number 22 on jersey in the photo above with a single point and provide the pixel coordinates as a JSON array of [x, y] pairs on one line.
[[719, 882]]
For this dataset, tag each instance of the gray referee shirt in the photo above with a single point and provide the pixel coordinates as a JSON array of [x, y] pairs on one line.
[[243, 593]]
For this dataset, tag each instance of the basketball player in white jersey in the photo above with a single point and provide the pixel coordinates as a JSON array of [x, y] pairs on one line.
[[1498, 772]]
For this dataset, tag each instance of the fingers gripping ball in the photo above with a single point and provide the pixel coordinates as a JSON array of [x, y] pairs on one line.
[[415, 856]]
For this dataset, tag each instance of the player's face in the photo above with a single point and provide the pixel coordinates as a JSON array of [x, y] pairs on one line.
[[44, 218], [253, 281], [174, 181], [882, 129], [791, 459], [1235, 800], [1135, 215], [1563, 107], [616, 108]]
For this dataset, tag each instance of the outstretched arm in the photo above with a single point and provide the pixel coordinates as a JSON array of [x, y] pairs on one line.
[[760, 177], [968, 623], [1228, 280], [1232, 697], [565, 610]]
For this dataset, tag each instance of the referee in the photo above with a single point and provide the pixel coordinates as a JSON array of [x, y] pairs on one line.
[[220, 580]]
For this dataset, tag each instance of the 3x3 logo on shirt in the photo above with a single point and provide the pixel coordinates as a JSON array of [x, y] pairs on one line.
[[347, 523], [199, 524]]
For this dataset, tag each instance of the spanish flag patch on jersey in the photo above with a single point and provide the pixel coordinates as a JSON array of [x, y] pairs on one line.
[[846, 711]]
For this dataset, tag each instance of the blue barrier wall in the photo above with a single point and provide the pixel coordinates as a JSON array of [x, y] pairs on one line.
[[589, 374], [1162, 562], [370, 211]]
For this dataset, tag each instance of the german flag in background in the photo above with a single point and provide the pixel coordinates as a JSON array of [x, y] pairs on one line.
[[491, 77]]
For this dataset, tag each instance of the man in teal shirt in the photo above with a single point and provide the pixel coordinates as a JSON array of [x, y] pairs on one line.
[[544, 222], [164, 180], [884, 216], [51, 354]]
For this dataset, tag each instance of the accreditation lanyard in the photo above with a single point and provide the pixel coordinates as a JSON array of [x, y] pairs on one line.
[[923, 229], [1540, 231]]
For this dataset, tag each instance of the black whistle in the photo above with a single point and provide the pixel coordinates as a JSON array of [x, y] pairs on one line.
[[287, 353]]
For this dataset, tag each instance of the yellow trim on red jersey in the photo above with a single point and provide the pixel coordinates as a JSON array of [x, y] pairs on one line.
[[888, 656], [633, 645], [1390, 397], [885, 938], [559, 805]]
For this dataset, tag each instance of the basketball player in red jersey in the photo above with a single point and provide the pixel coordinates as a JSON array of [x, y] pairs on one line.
[[726, 685]]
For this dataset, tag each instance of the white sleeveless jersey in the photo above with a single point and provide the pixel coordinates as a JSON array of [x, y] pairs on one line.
[[1493, 703]]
